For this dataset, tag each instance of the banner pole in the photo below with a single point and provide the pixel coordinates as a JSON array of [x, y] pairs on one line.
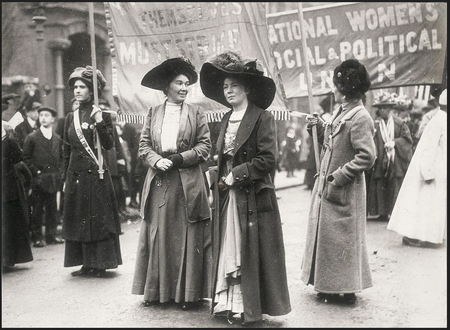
[[309, 84], [94, 81]]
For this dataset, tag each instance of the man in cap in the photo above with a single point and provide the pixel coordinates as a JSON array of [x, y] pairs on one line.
[[30, 124], [42, 153]]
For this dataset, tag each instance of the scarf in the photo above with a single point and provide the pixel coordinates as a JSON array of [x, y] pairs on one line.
[[387, 134]]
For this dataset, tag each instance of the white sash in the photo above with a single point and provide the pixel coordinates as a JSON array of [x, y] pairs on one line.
[[387, 134], [76, 121]]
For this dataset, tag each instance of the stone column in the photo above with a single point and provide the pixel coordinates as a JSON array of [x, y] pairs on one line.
[[58, 46]]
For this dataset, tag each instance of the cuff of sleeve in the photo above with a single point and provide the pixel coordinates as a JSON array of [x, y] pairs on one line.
[[340, 178]]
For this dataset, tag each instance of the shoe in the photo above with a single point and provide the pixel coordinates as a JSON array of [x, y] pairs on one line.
[[349, 298], [54, 240], [39, 243], [98, 273], [188, 305], [411, 241], [84, 271], [328, 296], [148, 303]]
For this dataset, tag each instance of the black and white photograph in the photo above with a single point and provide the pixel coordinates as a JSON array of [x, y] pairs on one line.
[[224, 165]]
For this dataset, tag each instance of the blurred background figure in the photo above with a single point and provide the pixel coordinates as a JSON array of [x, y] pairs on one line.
[[116, 163], [30, 124], [15, 212], [290, 147], [420, 213], [131, 134], [393, 141], [31, 94]]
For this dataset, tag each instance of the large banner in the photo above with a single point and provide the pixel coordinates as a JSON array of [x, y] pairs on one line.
[[400, 43], [144, 34]]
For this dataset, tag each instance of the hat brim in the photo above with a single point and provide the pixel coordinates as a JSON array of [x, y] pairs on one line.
[[211, 82], [378, 105], [157, 77], [51, 110], [8, 97]]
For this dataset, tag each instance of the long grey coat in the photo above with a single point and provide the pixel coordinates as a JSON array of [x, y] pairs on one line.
[[193, 143], [335, 258]]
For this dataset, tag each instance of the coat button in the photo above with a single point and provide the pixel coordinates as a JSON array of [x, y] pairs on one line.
[[237, 178], [89, 171], [250, 212], [247, 192]]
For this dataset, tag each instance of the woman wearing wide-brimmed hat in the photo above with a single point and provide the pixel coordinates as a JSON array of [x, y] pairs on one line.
[[173, 253], [91, 224], [394, 145], [249, 272], [335, 260]]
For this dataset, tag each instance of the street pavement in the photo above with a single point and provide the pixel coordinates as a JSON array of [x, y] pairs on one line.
[[409, 285]]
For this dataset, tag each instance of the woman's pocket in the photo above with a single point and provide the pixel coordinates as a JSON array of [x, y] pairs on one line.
[[336, 194]]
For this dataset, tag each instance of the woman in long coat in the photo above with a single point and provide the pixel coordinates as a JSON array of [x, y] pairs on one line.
[[249, 273], [91, 224], [174, 249], [335, 260], [15, 219], [420, 213]]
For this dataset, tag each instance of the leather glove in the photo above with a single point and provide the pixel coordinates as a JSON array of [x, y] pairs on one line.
[[176, 159]]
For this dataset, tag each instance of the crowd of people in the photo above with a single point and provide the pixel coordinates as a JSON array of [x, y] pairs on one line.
[[215, 232]]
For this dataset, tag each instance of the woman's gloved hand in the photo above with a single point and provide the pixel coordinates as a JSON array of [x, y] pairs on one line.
[[176, 159]]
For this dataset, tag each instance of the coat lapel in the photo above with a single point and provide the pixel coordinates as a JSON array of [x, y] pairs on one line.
[[343, 116], [247, 124], [183, 124], [157, 121], [223, 129]]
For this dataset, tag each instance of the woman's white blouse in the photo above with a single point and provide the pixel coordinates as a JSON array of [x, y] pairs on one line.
[[170, 126]]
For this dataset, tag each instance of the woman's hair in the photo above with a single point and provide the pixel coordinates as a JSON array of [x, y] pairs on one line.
[[351, 79]]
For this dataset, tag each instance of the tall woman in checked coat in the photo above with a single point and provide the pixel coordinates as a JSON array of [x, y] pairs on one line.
[[174, 249], [249, 272], [335, 260], [91, 224]]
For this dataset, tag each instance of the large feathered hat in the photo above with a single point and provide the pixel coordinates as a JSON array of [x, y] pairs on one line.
[[230, 64], [160, 76], [351, 78], [86, 74]]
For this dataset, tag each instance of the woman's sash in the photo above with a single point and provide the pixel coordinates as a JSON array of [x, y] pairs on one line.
[[76, 121]]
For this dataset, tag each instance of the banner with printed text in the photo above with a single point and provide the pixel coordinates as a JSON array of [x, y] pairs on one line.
[[144, 34], [400, 43]]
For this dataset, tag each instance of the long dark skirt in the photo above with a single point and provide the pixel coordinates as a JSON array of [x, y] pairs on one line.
[[99, 255], [173, 255], [15, 234]]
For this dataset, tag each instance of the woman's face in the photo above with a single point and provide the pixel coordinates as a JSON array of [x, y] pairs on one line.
[[384, 111], [234, 91], [178, 89], [81, 91]]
